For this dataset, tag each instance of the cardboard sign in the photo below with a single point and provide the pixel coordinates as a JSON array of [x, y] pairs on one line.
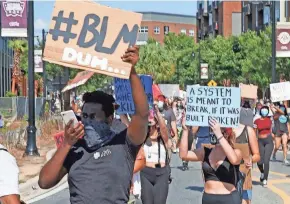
[[221, 103], [123, 94], [59, 138], [280, 91], [86, 35], [169, 90], [249, 91]]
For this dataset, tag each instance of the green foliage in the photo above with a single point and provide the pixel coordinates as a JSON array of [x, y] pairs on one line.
[[10, 94]]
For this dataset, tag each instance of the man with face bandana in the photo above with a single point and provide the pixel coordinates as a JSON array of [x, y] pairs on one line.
[[100, 166]]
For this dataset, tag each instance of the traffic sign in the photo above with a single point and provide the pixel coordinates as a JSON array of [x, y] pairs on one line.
[[212, 83]]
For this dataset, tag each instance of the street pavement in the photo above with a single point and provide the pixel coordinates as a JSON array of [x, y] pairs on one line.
[[187, 186]]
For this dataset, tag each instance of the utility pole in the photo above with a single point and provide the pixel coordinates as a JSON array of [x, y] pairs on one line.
[[44, 64], [273, 42], [31, 148]]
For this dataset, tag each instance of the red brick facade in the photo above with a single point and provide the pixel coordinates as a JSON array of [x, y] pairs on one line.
[[173, 28], [229, 7]]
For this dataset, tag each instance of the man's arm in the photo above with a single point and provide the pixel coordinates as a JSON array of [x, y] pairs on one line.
[[173, 124], [53, 171], [10, 199], [137, 129]]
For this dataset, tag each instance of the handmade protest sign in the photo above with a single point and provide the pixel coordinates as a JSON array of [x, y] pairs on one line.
[[169, 90], [123, 94], [221, 103], [89, 36], [280, 91], [249, 91]]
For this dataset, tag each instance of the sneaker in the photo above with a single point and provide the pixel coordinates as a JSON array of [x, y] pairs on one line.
[[274, 157], [265, 183], [286, 162], [174, 151], [184, 164], [177, 150], [262, 178]]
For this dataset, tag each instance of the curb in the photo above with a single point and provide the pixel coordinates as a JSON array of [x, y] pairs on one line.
[[43, 193]]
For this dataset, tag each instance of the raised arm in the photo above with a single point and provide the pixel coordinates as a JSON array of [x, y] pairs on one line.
[[184, 153], [53, 171], [163, 128], [137, 129], [233, 155]]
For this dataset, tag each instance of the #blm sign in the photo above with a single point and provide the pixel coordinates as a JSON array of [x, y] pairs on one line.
[[86, 35], [280, 91], [221, 103], [123, 94]]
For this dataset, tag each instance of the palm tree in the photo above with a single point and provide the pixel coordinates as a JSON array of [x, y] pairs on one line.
[[19, 47]]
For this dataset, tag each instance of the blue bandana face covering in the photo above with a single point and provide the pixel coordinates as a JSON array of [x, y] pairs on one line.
[[97, 134], [282, 109], [283, 119]]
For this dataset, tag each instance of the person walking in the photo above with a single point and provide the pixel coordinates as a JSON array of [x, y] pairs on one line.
[[263, 126], [155, 177], [220, 165], [281, 130], [246, 141]]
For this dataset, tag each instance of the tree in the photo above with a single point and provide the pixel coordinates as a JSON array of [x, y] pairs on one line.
[[156, 61], [19, 47]]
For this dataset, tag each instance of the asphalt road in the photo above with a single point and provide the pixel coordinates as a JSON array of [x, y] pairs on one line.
[[187, 187]]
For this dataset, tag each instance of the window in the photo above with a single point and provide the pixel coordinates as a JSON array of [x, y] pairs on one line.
[[156, 30], [183, 31], [191, 33], [143, 29], [166, 30]]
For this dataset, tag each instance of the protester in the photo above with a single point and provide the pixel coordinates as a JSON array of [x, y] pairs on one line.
[[257, 111], [264, 127], [170, 120], [248, 144], [9, 171], [281, 130], [220, 165], [202, 135], [100, 166], [155, 177]]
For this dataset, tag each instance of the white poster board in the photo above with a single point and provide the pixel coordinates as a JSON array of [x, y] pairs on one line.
[[280, 91], [221, 103]]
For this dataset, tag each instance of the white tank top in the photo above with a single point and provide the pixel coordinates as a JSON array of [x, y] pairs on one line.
[[151, 153]]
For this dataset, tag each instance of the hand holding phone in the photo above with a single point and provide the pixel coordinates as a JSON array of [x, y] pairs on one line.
[[69, 115]]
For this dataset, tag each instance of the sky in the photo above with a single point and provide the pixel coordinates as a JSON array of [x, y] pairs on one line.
[[43, 9]]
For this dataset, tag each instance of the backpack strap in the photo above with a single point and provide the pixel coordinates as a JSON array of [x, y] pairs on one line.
[[159, 152]]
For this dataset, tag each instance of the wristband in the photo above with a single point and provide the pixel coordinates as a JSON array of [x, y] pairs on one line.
[[220, 138]]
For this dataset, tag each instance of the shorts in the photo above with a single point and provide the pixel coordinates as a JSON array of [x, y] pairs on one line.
[[280, 134], [202, 140], [247, 194]]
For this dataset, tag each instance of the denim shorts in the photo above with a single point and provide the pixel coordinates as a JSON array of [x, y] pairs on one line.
[[247, 194]]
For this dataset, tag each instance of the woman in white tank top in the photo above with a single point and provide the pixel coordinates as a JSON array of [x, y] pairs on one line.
[[155, 176]]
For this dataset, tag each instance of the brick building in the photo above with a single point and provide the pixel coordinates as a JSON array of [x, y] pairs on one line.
[[218, 18], [156, 25]]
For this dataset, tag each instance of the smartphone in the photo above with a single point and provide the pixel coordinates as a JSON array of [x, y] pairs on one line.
[[69, 115]]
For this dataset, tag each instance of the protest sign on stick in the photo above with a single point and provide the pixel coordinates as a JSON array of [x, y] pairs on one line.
[[221, 103], [280, 91], [89, 36], [123, 94], [249, 91]]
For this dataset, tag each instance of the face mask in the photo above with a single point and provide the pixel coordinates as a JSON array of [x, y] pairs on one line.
[[283, 119], [282, 109], [97, 134], [264, 112], [160, 105]]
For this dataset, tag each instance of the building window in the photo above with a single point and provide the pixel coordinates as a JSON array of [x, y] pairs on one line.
[[143, 29], [166, 30], [183, 31], [191, 33], [156, 30]]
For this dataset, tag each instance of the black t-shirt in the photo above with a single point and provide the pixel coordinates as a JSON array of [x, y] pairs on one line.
[[102, 176], [169, 116]]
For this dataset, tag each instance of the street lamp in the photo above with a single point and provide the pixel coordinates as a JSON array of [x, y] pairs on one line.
[[31, 148], [44, 63]]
